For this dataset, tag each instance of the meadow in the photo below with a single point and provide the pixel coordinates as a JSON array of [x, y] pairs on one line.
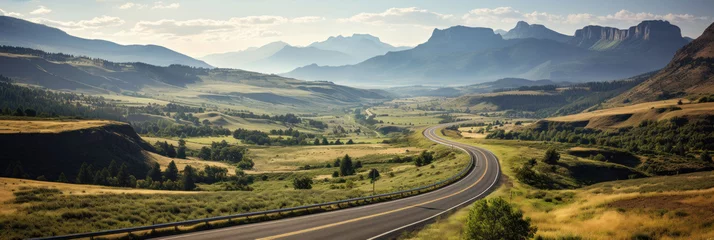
[[662, 207]]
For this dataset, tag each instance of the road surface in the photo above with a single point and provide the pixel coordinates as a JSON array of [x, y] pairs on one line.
[[376, 221]]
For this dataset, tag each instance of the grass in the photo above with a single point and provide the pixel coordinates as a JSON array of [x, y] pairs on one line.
[[639, 113], [669, 207], [19, 126], [34, 208]]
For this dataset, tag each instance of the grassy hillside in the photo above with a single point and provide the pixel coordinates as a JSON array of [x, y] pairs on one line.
[[690, 73], [539, 101], [222, 88], [665, 207]]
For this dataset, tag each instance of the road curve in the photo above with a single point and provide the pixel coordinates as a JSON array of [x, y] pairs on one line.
[[376, 221]]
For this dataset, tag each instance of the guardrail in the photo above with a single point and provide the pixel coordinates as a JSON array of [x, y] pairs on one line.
[[370, 199]]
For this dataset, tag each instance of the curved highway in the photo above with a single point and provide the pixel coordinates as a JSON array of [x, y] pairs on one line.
[[376, 221]]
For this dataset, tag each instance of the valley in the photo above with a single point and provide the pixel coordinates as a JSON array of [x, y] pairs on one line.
[[473, 133]]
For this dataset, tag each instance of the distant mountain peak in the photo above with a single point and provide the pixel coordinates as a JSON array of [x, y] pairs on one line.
[[22, 33], [525, 30]]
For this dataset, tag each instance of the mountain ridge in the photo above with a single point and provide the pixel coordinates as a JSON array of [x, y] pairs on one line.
[[21, 33]]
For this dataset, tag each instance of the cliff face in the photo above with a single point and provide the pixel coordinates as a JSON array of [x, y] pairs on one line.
[[461, 39], [660, 33], [51, 152], [691, 72]]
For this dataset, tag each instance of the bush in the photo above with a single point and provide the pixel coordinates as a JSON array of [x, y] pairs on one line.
[[551, 156], [496, 219], [302, 183]]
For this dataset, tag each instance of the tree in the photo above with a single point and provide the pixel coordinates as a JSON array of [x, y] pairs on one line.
[[123, 175], [705, 157], [205, 153], [358, 164], [338, 142], [19, 112], [189, 176], [551, 156], [337, 162], [181, 151], [373, 176], [350, 142], [316, 142], [496, 219], [113, 168], [30, 112], [170, 150], [171, 172], [85, 174], [346, 167], [155, 172], [62, 178], [302, 183], [324, 141], [335, 174]]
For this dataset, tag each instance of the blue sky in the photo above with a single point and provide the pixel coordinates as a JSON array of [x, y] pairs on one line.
[[202, 27]]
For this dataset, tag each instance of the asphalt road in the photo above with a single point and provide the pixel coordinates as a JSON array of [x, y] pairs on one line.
[[377, 221]]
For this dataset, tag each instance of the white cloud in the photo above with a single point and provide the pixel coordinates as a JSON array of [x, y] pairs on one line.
[[94, 23], [408, 16], [10, 14], [486, 17], [130, 5], [199, 26], [157, 5], [161, 5], [41, 11], [307, 19]]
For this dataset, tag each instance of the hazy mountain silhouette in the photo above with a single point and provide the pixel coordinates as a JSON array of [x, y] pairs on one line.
[[280, 57], [241, 59], [525, 30], [21, 33], [463, 55]]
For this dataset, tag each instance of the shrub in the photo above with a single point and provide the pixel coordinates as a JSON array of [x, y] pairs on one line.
[[496, 219], [302, 183], [551, 156]]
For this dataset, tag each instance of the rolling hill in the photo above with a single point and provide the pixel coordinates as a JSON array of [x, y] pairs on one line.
[[193, 86], [21, 33], [690, 73], [465, 55]]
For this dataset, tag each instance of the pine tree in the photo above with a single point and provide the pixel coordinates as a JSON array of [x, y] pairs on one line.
[[171, 172], [324, 141], [113, 168], [123, 175], [346, 167], [188, 178], [181, 152], [155, 172], [62, 178]]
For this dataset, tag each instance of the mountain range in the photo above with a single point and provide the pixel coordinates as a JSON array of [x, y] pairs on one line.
[[690, 73], [466, 55], [21, 33], [280, 57]]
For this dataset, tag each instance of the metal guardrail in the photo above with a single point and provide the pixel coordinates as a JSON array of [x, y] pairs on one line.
[[400, 194]]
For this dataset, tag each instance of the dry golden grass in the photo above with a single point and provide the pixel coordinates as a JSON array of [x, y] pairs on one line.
[[639, 112], [50, 126], [278, 159], [181, 163], [9, 185]]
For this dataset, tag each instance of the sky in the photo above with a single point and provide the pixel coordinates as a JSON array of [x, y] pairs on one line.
[[198, 28]]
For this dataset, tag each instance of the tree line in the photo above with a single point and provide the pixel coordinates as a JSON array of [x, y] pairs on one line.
[[164, 128], [678, 136], [222, 151]]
